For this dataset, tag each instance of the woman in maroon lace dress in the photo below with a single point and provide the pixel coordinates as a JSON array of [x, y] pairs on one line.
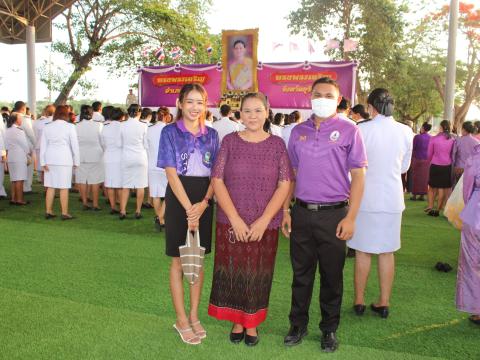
[[251, 178]]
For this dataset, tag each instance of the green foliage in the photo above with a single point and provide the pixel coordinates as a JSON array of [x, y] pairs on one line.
[[377, 24], [115, 33]]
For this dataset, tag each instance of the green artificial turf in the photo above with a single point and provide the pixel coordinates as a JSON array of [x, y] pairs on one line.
[[97, 288]]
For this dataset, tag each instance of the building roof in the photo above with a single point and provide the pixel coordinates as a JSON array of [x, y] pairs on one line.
[[16, 14]]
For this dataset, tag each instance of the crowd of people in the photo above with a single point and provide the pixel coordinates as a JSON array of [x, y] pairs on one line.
[[327, 182]]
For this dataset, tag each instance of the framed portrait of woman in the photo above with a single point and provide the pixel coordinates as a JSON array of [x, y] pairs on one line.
[[239, 60]]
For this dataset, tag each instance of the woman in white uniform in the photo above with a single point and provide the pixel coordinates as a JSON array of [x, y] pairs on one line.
[[3, 157], [18, 156], [389, 150], [112, 156], [157, 178], [133, 139], [38, 126], [59, 152], [90, 173]]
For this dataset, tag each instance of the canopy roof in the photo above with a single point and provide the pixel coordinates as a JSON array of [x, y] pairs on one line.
[[16, 14]]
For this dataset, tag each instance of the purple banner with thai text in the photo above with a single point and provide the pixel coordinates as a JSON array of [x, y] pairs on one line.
[[287, 85]]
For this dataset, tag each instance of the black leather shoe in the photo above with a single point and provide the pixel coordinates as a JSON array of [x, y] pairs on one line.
[[359, 309], [122, 216], [381, 310], [329, 342], [50, 216], [251, 340], [237, 338], [138, 216], [474, 319], [295, 335]]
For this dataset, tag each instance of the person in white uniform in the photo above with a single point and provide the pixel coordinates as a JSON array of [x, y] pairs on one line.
[[295, 118], [133, 140], [112, 157], [90, 173], [38, 126], [389, 150], [59, 153], [21, 107], [225, 125], [157, 178], [3, 157], [19, 152], [97, 112]]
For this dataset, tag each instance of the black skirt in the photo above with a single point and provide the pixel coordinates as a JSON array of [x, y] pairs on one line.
[[176, 217], [440, 176]]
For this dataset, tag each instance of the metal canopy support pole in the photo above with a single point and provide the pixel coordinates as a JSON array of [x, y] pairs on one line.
[[31, 81], [449, 109]]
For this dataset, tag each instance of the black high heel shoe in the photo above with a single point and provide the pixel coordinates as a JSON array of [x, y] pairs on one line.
[[237, 338], [381, 310], [359, 309]]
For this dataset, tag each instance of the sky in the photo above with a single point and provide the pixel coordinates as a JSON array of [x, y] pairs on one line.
[[268, 15]]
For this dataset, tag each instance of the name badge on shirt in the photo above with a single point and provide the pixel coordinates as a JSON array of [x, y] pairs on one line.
[[206, 157], [335, 135]]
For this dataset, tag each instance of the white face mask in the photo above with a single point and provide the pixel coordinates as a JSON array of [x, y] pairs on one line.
[[324, 107]]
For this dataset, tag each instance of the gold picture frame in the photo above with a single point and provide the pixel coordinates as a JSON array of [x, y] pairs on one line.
[[239, 61]]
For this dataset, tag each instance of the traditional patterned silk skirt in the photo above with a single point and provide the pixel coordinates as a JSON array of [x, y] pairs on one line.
[[468, 275], [420, 173], [242, 277]]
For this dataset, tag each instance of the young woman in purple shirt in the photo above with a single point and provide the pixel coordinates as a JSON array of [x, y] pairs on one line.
[[439, 156], [187, 152]]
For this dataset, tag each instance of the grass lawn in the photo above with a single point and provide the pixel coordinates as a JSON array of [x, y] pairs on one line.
[[97, 288]]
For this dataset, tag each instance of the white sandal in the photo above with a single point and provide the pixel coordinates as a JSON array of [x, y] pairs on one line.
[[202, 334], [193, 341]]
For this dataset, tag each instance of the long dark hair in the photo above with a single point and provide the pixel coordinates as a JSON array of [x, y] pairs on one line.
[[12, 119], [446, 128], [381, 100], [187, 89], [86, 113], [360, 110]]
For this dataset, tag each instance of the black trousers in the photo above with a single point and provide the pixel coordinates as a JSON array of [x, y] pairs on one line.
[[313, 241]]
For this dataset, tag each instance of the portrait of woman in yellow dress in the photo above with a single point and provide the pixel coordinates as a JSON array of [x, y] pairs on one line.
[[239, 76]]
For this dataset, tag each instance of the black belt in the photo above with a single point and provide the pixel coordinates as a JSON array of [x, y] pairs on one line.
[[322, 206]]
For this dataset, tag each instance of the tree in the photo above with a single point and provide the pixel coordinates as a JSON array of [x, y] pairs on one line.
[[469, 79], [377, 24], [114, 33]]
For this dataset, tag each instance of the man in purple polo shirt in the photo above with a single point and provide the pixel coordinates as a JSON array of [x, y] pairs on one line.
[[323, 151]]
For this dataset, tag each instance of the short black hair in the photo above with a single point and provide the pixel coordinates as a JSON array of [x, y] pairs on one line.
[[225, 109], [145, 113], [426, 126], [239, 42], [96, 106], [468, 127], [19, 105], [107, 112], [237, 115], [5, 108], [344, 104], [117, 114], [360, 109], [325, 80], [133, 110]]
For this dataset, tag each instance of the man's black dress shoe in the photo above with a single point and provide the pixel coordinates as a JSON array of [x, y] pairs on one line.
[[237, 338], [359, 309], [381, 310], [295, 335], [329, 342], [474, 320], [251, 340]]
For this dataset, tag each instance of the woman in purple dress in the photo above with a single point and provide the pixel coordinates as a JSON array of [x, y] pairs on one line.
[[420, 164], [468, 276], [251, 179]]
